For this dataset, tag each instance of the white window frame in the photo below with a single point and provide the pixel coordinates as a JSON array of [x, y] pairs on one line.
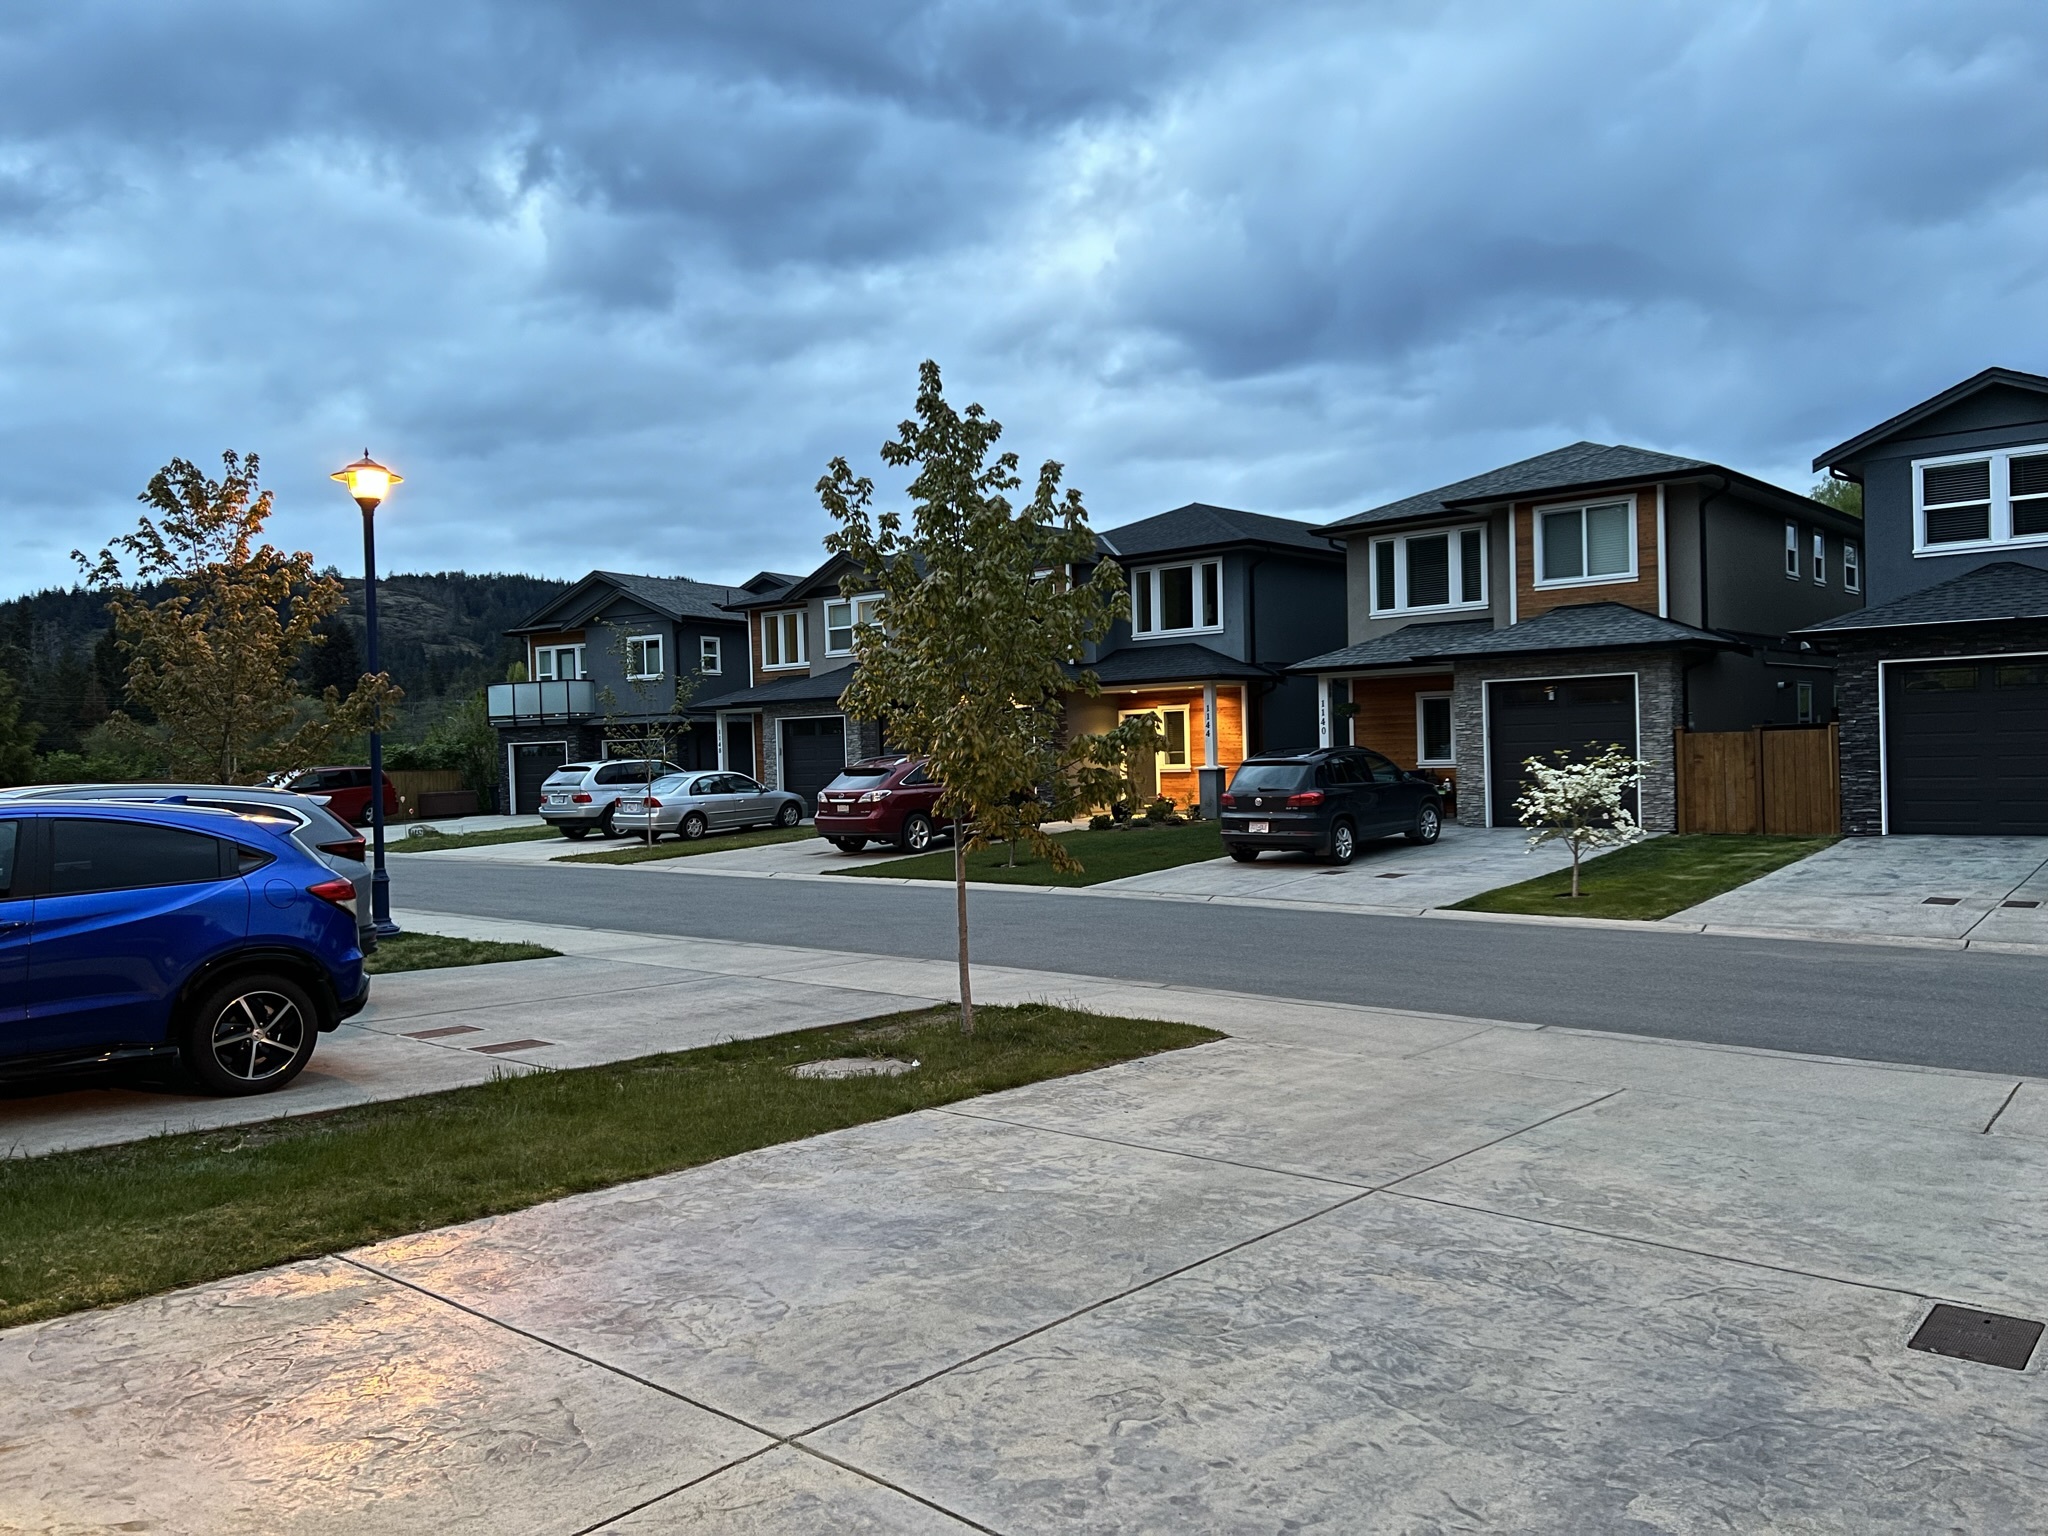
[[860, 613], [554, 656], [2000, 460], [780, 618], [1791, 550], [1852, 567], [710, 655], [1400, 541], [1605, 579], [1150, 578], [1820, 558], [1422, 761], [1187, 726], [660, 648]]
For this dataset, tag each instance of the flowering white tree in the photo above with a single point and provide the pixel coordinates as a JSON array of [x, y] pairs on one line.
[[1578, 802]]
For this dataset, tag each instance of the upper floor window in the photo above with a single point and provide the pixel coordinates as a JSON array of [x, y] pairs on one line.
[[643, 657], [1177, 599], [782, 638], [842, 617], [1980, 498], [710, 655], [1596, 542], [1852, 569], [557, 663], [1792, 551], [1443, 568], [1820, 558]]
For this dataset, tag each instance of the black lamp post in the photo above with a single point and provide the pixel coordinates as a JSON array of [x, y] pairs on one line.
[[369, 483]]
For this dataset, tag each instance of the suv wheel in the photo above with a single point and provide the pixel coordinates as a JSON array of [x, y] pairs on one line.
[[251, 1034], [604, 822], [1429, 824], [791, 814], [574, 834], [1243, 855], [916, 835], [693, 827], [849, 844], [1343, 843]]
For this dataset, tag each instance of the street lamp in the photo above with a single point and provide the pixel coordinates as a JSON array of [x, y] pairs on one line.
[[369, 483]]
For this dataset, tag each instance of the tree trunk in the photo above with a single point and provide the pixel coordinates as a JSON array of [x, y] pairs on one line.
[[960, 903], [1575, 871]]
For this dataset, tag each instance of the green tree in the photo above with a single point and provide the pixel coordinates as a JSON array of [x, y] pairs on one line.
[[213, 662], [981, 614], [17, 737], [650, 723], [1842, 495]]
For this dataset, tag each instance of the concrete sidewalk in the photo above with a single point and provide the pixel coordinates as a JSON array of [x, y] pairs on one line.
[[1350, 1270]]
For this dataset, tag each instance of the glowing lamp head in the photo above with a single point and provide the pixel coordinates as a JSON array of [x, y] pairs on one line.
[[368, 481]]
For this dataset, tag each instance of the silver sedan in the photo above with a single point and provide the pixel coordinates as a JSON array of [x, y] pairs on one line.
[[692, 804]]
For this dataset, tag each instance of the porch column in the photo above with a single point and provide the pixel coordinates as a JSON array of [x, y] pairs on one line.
[[1208, 725], [1322, 711], [718, 730]]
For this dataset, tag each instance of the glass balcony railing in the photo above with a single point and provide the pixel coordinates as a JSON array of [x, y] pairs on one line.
[[513, 703]]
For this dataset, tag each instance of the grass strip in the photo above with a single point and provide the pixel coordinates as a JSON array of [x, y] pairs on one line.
[[422, 838], [675, 848], [1652, 879], [1136, 850], [431, 952], [103, 1225]]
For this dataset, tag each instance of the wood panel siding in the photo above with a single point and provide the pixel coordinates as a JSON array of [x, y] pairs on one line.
[[1386, 718], [1531, 599], [1183, 787]]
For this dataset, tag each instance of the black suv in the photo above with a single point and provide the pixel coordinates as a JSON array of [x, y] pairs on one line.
[[1325, 802]]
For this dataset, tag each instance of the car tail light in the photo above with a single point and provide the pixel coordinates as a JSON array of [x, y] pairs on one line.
[[651, 803], [341, 892], [1228, 802], [579, 798], [1307, 800], [347, 848], [872, 797]]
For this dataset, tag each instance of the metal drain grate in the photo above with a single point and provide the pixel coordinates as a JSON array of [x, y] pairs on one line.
[[1941, 901], [436, 1034], [2030, 905], [509, 1045], [1964, 1333]]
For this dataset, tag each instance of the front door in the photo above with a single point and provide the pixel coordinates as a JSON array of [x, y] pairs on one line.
[[1172, 756], [739, 745]]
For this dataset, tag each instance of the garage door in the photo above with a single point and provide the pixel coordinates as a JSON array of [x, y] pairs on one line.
[[1580, 715], [532, 762], [1966, 747], [813, 752]]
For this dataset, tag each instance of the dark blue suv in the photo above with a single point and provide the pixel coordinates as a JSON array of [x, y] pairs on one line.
[[136, 931]]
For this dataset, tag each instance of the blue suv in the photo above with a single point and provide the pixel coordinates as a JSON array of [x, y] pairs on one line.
[[129, 932]]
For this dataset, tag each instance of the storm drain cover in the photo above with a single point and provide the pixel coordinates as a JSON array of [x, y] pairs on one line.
[[2029, 904], [1941, 901], [509, 1045], [1985, 1337]]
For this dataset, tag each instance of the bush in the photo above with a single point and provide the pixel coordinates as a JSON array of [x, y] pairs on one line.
[[1101, 822], [1159, 809]]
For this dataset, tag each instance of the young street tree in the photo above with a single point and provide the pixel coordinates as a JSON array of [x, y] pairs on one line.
[[214, 660], [651, 723], [1579, 803], [980, 613]]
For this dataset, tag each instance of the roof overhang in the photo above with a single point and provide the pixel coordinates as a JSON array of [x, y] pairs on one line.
[[1990, 378]]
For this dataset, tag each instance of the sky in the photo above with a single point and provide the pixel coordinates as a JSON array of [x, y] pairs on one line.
[[611, 283]]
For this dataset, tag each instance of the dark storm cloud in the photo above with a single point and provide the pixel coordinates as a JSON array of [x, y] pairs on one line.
[[612, 281]]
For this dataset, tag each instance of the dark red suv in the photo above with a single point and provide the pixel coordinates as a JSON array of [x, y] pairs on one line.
[[347, 792], [880, 800]]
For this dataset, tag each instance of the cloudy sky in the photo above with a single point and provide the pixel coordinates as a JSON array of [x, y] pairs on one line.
[[610, 282]]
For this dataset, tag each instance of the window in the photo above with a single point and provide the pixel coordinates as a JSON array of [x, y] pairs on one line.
[[1374, 769], [1852, 569], [782, 638], [10, 838], [1438, 569], [1591, 543], [1985, 498], [710, 655], [842, 617], [643, 657], [1820, 559], [1433, 745], [557, 663], [1177, 599], [124, 855], [1805, 693], [1173, 725]]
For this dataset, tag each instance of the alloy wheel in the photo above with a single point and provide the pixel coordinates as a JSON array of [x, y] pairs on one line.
[[257, 1035]]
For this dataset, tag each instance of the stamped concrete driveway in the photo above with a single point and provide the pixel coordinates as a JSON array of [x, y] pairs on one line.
[[1347, 1271], [1985, 892]]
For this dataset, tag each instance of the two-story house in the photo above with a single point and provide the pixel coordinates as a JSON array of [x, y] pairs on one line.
[[604, 661], [1943, 678], [1592, 595]]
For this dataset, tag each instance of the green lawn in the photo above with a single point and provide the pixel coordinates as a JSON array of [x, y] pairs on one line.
[[639, 852], [431, 952], [88, 1228], [1137, 850], [1651, 879], [425, 838]]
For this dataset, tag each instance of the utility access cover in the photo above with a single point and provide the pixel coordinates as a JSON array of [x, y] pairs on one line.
[[1985, 1337]]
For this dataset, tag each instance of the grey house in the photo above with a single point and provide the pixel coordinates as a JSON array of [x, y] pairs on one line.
[[604, 662], [1943, 678], [1595, 594]]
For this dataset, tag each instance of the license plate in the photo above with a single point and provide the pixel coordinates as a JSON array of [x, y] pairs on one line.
[[558, 799], [1258, 826]]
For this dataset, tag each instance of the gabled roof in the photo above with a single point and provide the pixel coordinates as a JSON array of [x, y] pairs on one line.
[[1990, 378], [1986, 595], [1410, 643], [674, 597], [794, 589], [1582, 466], [1201, 526], [1579, 627], [1180, 662], [804, 689]]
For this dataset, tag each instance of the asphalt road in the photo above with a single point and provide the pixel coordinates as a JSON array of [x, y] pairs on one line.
[[1946, 1008]]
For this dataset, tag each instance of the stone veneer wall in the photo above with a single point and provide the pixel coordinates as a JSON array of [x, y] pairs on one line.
[[1856, 699], [1660, 703]]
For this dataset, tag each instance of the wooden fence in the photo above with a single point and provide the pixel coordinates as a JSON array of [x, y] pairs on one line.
[[1774, 779], [411, 783]]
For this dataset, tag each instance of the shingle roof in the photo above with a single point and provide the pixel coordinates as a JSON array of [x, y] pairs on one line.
[[1561, 469], [677, 596], [807, 689], [2011, 378], [1201, 526], [1176, 663], [1413, 642], [1580, 627], [2005, 590]]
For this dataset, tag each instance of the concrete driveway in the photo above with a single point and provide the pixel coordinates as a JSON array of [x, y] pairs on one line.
[[1351, 1270], [1988, 893]]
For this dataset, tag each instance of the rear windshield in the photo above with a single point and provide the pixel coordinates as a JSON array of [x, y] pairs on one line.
[[861, 778], [667, 784], [570, 772], [1271, 778]]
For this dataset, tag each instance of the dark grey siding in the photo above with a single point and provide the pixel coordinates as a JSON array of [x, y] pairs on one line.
[[1732, 691], [1748, 591]]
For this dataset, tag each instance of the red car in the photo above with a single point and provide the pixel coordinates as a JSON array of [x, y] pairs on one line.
[[347, 791], [880, 800]]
